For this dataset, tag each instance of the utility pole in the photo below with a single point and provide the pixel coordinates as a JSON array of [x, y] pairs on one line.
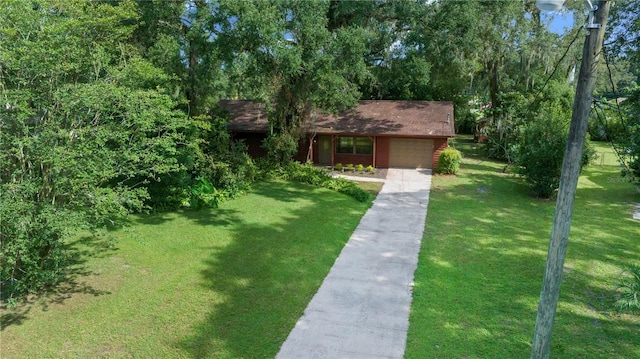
[[569, 181]]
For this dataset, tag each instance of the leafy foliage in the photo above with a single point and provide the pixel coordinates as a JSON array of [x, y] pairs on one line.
[[449, 161], [540, 155], [297, 57], [541, 151], [627, 143], [280, 147], [310, 174], [628, 295], [81, 136]]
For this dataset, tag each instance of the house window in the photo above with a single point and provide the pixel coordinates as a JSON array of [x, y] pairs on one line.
[[354, 145], [344, 145], [364, 146]]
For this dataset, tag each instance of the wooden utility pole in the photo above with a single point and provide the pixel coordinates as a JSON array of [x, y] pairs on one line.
[[568, 183]]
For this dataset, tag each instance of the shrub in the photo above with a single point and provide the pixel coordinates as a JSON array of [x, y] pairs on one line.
[[204, 194], [280, 147], [349, 188], [371, 169], [354, 191], [359, 167], [308, 173], [540, 154], [449, 161], [628, 294], [32, 255], [338, 166], [349, 167]]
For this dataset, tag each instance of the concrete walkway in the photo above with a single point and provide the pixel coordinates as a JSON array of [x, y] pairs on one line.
[[362, 308]]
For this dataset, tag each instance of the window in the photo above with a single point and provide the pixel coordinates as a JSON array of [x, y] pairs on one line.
[[344, 145], [354, 145], [364, 146]]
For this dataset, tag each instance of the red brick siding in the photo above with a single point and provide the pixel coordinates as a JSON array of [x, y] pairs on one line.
[[382, 152], [439, 144]]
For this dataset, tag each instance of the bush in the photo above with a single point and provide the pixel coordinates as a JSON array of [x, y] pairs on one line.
[[307, 173], [32, 255], [310, 174], [83, 161], [204, 194], [540, 154], [338, 166], [359, 167], [628, 295], [371, 169], [449, 161], [280, 147]]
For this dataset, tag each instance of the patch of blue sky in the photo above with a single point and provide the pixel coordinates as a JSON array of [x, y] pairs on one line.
[[559, 22]]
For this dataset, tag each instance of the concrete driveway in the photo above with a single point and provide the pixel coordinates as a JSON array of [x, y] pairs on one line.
[[362, 308]]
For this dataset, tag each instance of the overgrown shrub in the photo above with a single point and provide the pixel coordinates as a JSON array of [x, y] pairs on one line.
[[352, 189], [280, 147], [32, 254], [310, 174], [449, 161], [540, 154], [307, 173], [628, 293], [204, 194]]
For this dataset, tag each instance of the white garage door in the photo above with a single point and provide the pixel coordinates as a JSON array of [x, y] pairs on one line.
[[411, 152]]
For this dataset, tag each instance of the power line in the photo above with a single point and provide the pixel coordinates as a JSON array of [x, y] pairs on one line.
[[555, 68]]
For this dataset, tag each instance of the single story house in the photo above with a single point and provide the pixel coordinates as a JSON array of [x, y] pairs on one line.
[[378, 133]]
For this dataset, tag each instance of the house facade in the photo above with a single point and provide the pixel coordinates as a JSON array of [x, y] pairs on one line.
[[380, 133]]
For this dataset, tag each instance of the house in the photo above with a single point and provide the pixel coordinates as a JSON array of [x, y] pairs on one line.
[[378, 133]]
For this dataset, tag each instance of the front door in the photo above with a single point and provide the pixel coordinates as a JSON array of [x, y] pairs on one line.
[[324, 150]]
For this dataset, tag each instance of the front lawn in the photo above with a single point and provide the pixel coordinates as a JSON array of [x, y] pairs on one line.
[[483, 257], [222, 283]]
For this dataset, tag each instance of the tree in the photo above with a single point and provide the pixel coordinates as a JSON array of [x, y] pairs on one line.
[[488, 52], [624, 45], [298, 57], [85, 127]]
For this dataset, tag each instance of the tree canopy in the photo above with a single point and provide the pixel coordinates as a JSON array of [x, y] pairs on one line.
[[109, 107]]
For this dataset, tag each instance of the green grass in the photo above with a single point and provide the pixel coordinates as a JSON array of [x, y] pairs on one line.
[[483, 257], [222, 283]]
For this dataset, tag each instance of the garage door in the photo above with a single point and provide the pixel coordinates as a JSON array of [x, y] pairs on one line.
[[410, 152]]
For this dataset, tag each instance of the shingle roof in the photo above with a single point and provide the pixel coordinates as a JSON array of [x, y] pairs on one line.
[[383, 117]]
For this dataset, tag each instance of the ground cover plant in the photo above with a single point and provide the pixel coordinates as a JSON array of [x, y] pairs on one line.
[[228, 282], [483, 256]]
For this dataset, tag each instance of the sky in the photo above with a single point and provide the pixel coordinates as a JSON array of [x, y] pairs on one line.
[[560, 22]]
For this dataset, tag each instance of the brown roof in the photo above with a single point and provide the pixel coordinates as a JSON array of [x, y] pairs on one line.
[[387, 118]]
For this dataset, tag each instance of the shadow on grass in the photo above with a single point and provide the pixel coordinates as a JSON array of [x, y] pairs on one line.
[[269, 272], [14, 317], [482, 264], [79, 251]]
